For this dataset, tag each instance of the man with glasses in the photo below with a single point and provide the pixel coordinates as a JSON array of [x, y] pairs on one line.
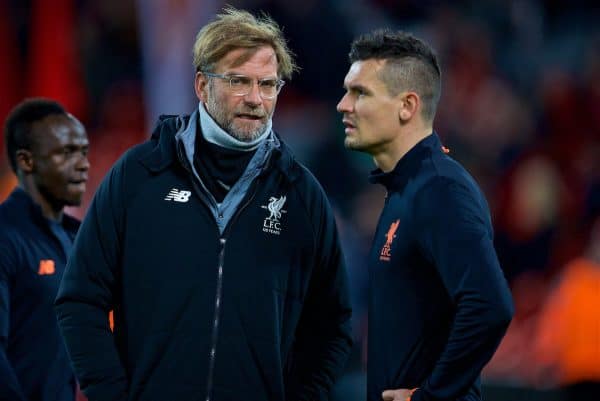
[[217, 251]]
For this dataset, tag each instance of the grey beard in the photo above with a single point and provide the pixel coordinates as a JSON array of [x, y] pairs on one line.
[[218, 116], [245, 136]]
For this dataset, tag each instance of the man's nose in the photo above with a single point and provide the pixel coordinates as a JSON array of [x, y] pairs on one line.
[[344, 105], [253, 96], [83, 163]]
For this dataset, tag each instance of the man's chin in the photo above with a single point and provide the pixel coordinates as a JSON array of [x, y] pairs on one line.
[[74, 200], [352, 144], [247, 135]]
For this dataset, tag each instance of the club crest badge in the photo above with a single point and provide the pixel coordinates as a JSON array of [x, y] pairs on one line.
[[386, 251], [272, 223]]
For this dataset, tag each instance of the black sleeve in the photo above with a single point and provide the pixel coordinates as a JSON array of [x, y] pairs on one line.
[[10, 389], [455, 233], [323, 338], [87, 293]]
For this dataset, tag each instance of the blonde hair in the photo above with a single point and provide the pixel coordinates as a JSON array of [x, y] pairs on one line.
[[235, 29]]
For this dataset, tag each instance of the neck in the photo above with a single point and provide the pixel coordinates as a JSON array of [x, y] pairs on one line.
[[214, 134], [49, 210], [387, 159]]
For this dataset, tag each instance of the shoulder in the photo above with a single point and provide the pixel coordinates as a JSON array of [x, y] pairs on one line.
[[12, 236], [307, 185], [449, 168], [306, 188], [452, 201], [136, 164], [135, 156], [9, 226], [159, 150], [125, 174], [443, 189], [13, 216], [301, 179], [445, 177]]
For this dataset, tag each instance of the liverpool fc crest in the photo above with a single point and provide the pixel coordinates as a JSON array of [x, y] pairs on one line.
[[272, 223]]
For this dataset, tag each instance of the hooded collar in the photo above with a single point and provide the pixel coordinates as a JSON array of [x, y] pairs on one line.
[[186, 140], [214, 134], [169, 147]]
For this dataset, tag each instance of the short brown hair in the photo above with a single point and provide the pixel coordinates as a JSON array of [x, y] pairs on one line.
[[234, 29], [410, 64]]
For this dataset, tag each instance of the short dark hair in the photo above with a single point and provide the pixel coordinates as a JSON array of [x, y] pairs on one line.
[[17, 128], [411, 64]]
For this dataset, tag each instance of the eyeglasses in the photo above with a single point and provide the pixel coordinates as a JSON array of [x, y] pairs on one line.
[[241, 85]]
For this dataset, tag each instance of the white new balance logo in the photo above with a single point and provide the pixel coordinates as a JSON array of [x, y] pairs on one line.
[[178, 196]]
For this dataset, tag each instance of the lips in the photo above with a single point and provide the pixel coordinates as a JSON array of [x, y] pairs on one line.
[[348, 124], [78, 183], [249, 116], [79, 179]]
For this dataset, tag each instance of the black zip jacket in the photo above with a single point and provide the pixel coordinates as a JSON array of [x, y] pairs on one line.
[[34, 365], [257, 312], [439, 303]]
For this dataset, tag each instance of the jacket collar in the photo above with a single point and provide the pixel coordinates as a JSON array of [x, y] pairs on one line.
[[25, 203], [164, 152], [408, 163], [169, 131], [213, 133]]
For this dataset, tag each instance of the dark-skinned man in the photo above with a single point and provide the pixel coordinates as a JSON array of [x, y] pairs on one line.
[[47, 150]]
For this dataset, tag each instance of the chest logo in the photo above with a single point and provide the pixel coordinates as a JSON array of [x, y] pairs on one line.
[[272, 223], [46, 267], [178, 196], [386, 250]]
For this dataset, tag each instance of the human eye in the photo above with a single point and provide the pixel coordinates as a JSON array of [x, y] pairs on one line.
[[268, 83], [68, 150], [359, 91], [238, 81]]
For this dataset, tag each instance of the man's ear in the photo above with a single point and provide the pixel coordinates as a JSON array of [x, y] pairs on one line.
[[201, 86], [409, 106], [24, 161]]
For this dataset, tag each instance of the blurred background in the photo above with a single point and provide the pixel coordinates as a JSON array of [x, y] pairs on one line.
[[520, 109]]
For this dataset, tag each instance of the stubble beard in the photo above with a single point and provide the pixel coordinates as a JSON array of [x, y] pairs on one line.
[[353, 144], [358, 145], [228, 124]]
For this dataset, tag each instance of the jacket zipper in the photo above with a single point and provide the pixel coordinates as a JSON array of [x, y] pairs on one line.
[[222, 242], [215, 331], [207, 198]]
